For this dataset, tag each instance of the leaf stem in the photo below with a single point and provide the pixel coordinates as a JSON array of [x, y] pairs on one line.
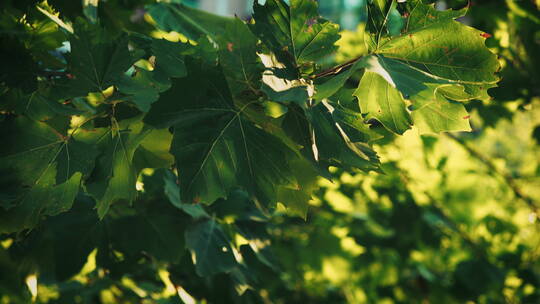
[[337, 69]]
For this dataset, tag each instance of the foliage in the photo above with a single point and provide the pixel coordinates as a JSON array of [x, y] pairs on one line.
[[154, 153]]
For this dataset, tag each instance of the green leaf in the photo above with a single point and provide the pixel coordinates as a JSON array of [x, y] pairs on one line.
[[216, 147], [238, 58], [279, 83], [169, 57], [380, 100], [48, 11], [158, 229], [115, 175], [421, 15], [46, 198], [61, 245], [96, 61], [193, 23], [36, 158], [239, 206], [353, 124], [296, 197], [153, 151], [210, 249], [435, 62], [259, 241], [172, 191], [332, 146], [330, 86], [42, 108], [224, 152], [436, 113], [431, 97], [143, 88], [449, 50], [383, 18], [295, 33]]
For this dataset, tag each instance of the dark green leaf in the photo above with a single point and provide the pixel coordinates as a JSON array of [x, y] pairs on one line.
[[238, 58], [39, 158], [96, 61], [333, 146], [210, 249], [115, 175], [193, 23], [295, 33]]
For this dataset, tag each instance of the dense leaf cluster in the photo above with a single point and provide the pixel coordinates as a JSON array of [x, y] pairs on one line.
[[153, 144], [119, 103]]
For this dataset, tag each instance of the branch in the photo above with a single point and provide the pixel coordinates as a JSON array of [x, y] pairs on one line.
[[508, 179]]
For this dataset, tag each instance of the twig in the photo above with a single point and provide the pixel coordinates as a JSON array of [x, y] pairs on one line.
[[337, 69]]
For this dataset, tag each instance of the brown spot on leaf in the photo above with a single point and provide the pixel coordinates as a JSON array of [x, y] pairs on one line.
[[311, 21], [467, 117], [485, 35], [230, 46]]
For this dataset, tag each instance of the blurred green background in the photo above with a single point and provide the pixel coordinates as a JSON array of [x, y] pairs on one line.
[[453, 219]]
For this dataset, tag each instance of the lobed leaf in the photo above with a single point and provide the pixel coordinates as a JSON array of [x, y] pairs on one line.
[[37, 158], [295, 33], [115, 175]]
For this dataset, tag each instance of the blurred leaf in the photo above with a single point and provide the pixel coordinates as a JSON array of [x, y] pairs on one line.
[[210, 249]]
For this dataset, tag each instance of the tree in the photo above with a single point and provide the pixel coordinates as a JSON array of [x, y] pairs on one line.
[[154, 152]]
